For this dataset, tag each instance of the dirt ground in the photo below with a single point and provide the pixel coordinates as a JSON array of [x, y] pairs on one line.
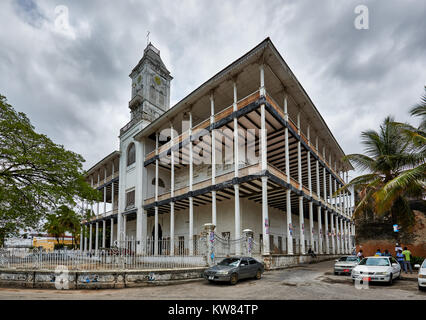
[[314, 281]]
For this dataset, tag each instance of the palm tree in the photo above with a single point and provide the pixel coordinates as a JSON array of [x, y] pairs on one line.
[[69, 220], [395, 162], [54, 227]]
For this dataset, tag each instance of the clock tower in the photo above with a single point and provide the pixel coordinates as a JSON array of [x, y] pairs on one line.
[[150, 87]]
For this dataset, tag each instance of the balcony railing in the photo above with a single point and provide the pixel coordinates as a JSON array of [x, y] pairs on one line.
[[108, 179]]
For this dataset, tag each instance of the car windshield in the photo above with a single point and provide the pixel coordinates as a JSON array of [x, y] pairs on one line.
[[348, 259], [424, 264], [232, 262], [374, 262]]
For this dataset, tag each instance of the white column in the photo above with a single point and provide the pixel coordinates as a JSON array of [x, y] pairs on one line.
[[124, 231], [264, 166], [337, 235], [320, 237], [97, 237], [333, 234], [111, 241], [213, 154], [236, 174], [91, 202], [311, 214], [237, 219], [90, 236], [156, 198], [191, 200], [335, 198], [172, 194], [105, 191], [112, 189], [103, 233], [262, 80], [342, 248], [327, 241], [81, 237], [98, 211], [288, 191], [330, 182], [319, 247], [265, 217], [85, 238], [299, 173], [347, 237]]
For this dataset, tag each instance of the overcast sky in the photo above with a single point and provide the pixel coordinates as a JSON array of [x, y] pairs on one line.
[[73, 82]]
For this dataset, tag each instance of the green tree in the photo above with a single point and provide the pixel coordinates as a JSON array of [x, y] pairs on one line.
[[54, 226], [36, 175], [395, 160]]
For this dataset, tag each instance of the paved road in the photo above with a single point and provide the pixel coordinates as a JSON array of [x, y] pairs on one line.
[[305, 282]]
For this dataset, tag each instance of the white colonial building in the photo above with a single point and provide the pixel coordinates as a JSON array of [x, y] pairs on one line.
[[167, 180]]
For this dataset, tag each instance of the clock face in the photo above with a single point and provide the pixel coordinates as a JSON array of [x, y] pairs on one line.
[[157, 80]]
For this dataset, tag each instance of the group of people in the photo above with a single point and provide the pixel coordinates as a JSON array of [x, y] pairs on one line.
[[402, 256]]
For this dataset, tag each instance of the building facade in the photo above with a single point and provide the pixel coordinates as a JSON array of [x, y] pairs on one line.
[[246, 151]]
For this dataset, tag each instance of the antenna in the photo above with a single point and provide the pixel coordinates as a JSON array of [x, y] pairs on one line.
[[147, 38]]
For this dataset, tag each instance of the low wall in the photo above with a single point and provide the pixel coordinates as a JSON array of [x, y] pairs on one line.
[[111, 279], [273, 262], [48, 279]]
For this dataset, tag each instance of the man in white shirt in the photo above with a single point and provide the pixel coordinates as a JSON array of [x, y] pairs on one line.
[[397, 247]]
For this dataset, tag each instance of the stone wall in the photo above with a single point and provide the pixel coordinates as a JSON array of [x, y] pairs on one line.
[[273, 262], [415, 240], [97, 279]]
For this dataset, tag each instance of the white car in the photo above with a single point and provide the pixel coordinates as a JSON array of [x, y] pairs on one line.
[[381, 268], [422, 275]]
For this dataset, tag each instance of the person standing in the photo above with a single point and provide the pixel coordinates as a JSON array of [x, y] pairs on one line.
[[387, 253], [378, 253], [397, 247], [360, 255], [407, 260], [400, 259]]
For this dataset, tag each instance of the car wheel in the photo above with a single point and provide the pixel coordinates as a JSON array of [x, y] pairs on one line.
[[390, 279], [336, 273], [234, 279], [258, 275], [211, 281]]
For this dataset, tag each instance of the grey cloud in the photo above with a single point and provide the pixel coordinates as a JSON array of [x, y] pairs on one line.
[[77, 90]]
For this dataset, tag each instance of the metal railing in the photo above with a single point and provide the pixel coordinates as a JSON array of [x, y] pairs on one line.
[[126, 255]]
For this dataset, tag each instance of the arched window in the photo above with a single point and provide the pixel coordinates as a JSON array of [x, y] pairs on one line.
[[160, 183], [131, 154]]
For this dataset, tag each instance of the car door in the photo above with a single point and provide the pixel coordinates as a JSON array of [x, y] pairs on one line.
[[396, 268], [244, 269], [253, 267]]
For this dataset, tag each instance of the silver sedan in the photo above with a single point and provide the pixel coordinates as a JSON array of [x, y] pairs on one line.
[[345, 264], [233, 269]]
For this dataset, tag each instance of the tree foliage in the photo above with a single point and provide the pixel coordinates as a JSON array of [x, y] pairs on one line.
[[63, 220], [36, 175], [395, 160]]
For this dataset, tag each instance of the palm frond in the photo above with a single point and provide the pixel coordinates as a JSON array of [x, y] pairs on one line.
[[407, 178], [361, 161]]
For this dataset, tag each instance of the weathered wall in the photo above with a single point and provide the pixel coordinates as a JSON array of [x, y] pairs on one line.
[[97, 280], [284, 261], [415, 241]]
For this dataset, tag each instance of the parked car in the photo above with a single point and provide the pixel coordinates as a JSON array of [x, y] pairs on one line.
[[381, 269], [234, 269], [345, 264], [422, 275]]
